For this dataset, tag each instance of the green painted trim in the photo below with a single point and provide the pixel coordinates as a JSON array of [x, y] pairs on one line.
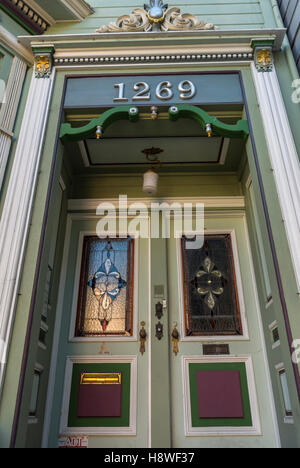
[[43, 50], [262, 43], [124, 420], [68, 133], [219, 422], [185, 111], [239, 130], [18, 20]]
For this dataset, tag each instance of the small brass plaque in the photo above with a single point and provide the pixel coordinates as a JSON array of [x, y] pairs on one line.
[[215, 349]]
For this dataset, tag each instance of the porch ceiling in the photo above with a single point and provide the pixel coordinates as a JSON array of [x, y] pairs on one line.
[[185, 147]]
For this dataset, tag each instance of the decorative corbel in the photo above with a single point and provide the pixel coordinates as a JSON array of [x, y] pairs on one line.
[[43, 62], [263, 55]]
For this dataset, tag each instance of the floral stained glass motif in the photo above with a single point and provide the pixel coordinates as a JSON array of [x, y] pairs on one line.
[[105, 304], [210, 292]]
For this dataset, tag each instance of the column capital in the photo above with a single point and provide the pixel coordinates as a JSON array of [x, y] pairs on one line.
[[43, 60], [263, 55]]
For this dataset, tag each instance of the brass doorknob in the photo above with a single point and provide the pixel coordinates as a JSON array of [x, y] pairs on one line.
[[143, 338], [175, 339]]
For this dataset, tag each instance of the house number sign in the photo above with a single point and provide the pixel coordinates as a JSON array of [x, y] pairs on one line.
[[164, 91], [149, 90]]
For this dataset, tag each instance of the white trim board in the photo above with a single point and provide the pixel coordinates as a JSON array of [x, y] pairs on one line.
[[9, 111], [237, 202], [12, 42], [245, 36], [283, 156], [18, 204]]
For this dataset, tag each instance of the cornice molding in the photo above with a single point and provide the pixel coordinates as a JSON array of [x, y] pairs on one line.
[[102, 41], [36, 19], [30, 16], [72, 60], [169, 49], [44, 14]]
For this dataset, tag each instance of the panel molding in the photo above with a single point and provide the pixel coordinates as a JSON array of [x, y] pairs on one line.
[[190, 431], [108, 431]]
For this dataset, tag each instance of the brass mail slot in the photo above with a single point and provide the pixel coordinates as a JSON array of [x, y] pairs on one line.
[[100, 378]]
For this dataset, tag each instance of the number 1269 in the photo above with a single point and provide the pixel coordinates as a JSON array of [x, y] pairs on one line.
[[163, 91]]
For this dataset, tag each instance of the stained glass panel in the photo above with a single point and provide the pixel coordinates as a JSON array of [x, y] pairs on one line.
[[105, 303], [210, 292]]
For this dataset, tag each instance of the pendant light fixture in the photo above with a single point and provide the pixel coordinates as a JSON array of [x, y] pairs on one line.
[[150, 182], [151, 177]]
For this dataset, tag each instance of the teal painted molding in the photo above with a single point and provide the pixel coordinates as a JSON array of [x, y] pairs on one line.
[[239, 130], [43, 50], [68, 133], [262, 43], [184, 111]]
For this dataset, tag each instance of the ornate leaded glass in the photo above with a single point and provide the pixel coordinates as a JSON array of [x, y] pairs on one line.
[[105, 304], [210, 292]]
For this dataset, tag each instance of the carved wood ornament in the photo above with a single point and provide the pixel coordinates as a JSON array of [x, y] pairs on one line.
[[156, 17]]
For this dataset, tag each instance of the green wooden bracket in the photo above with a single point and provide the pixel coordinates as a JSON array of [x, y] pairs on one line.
[[185, 111], [67, 133], [100, 124]]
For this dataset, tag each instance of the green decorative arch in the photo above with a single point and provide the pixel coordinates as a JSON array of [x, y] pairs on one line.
[[184, 111], [238, 130], [67, 133]]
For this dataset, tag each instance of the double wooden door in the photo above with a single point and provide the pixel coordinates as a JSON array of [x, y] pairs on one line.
[[159, 344]]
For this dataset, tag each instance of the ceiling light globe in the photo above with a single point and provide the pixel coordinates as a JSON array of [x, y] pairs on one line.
[[150, 182]]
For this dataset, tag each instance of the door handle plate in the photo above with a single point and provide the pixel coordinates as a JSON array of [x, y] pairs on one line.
[[159, 310], [159, 331]]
